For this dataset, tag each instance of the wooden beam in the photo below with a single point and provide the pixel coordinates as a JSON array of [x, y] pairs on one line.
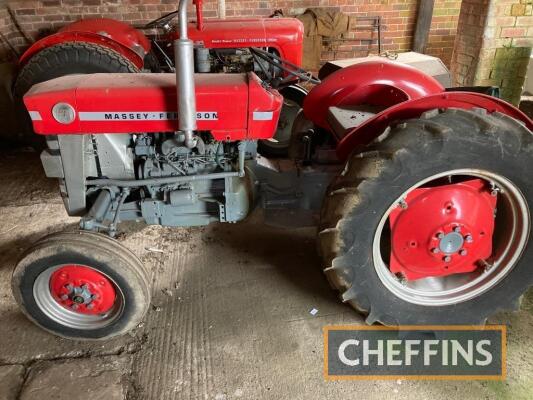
[[423, 24]]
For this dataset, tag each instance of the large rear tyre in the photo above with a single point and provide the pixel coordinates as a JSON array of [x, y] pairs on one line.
[[60, 60], [431, 224], [81, 286], [278, 146]]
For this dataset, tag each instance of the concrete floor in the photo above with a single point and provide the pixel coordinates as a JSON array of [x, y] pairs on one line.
[[230, 317]]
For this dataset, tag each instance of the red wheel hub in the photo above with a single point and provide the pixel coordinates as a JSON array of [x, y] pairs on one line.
[[442, 230], [82, 289]]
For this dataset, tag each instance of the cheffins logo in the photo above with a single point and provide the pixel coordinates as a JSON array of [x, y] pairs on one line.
[[415, 352]]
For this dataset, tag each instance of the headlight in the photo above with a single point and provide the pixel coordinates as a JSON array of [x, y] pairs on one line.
[[64, 113]]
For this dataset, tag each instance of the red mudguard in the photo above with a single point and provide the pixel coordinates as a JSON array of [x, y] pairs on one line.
[[116, 35], [373, 82], [366, 132], [403, 91], [230, 106]]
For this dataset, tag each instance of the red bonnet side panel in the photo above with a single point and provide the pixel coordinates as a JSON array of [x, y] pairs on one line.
[[135, 103], [231, 106], [283, 34], [263, 110]]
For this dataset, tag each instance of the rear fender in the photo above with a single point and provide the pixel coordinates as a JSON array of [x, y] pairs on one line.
[[370, 129], [378, 83], [115, 35]]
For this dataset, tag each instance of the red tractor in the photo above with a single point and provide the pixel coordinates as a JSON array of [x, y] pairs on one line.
[[232, 45], [422, 195]]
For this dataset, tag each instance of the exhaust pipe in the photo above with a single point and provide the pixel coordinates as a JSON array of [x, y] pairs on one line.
[[184, 62]]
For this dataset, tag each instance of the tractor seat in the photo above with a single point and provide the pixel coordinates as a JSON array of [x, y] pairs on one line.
[[343, 119]]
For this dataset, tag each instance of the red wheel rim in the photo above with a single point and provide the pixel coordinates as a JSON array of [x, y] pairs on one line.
[[442, 230], [82, 289], [494, 234]]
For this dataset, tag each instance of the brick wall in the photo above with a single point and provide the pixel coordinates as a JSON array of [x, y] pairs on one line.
[[37, 18], [494, 44], [470, 30], [9, 36], [443, 29]]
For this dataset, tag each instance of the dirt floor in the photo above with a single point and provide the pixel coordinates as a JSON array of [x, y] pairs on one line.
[[230, 317]]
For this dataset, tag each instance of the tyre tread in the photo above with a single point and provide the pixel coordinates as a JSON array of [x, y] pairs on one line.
[[346, 194]]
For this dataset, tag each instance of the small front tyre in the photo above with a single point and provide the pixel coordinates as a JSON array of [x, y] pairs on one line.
[[81, 285]]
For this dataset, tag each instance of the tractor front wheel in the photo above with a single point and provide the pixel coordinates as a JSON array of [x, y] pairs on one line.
[[431, 224], [81, 285]]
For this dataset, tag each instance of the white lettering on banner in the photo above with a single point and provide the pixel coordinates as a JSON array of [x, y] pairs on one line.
[[141, 116], [399, 352]]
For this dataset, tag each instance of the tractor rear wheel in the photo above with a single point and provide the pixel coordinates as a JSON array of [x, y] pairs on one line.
[[431, 224], [60, 60], [81, 285]]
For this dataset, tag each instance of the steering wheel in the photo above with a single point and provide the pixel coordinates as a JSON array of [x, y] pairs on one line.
[[161, 21]]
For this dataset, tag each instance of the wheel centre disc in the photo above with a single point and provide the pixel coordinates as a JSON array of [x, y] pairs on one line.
[[82, 289], [442, 230], [451, 243]]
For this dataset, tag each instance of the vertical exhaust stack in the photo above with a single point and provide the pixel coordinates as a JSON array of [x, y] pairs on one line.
[[184, 62]]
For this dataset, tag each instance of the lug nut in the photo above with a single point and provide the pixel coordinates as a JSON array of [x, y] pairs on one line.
[[64, 297], [90, 306], [469, 238], [75, 306], [435, 250], [463, 252], [440, 235], [457, 229], [447, 259]]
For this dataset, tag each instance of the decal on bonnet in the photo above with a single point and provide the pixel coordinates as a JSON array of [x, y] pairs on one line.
[[142, 116], [35, 115]]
